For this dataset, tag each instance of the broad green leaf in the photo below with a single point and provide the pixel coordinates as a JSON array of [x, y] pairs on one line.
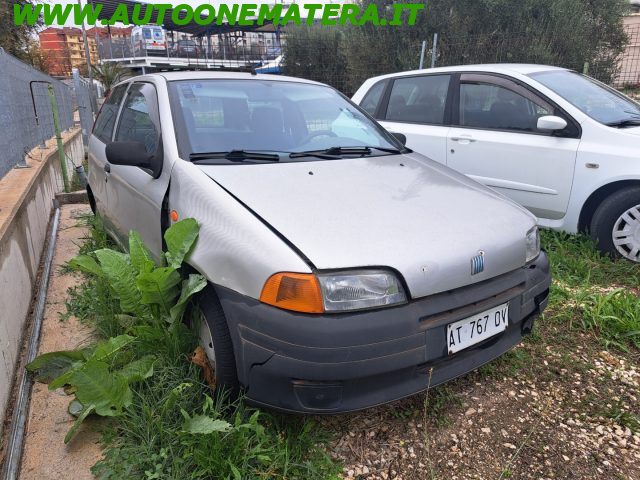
[[190, 286], [180, 237], [141, 258], [86, 264], [122, 279], [159, 287], [201, 424], [95, 385], [74, 429], [107, 349], [50, 366], [139, 369], [65, 378]]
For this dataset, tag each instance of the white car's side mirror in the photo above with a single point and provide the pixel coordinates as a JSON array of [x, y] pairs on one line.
[[552, 123]]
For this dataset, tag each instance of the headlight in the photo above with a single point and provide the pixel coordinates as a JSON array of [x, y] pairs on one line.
[[360, 289], [332, 292], [533, 245]]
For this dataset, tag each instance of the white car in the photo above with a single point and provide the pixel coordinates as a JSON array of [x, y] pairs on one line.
[[561, 144]]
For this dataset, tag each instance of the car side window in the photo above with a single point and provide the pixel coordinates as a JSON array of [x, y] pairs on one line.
[[419, 99], [108, 113], [138, 120], [505, 106], [372, 99]]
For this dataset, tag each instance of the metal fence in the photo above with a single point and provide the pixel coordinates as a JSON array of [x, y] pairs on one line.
[[26, 116], [84, 98], [628, 74], [194, 51]]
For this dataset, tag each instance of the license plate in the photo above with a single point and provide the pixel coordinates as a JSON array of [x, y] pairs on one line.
[[475, 329]]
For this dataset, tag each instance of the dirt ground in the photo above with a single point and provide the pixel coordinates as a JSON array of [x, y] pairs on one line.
[[540, 413], [45, 455]]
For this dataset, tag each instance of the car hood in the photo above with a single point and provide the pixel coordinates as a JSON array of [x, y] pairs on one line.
[[633, 130], [402, 212]]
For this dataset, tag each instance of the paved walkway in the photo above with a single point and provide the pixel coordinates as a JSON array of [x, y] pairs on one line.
[[45, 454]]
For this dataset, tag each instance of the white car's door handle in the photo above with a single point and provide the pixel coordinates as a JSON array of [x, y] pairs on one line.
[[463, 140], [107, 168]]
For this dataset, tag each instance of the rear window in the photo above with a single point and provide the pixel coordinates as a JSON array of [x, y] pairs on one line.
[[419, 99]]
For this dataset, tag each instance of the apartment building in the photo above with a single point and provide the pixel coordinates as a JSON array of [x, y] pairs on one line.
[[64, 50]]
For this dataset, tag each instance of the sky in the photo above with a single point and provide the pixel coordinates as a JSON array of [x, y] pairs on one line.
[[195, 3]]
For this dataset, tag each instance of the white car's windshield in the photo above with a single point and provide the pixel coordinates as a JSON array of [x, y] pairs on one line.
[[597, 100], [215, 116]]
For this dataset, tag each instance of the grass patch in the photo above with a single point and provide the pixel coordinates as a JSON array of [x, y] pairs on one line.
[[593, 293], [174, 426]]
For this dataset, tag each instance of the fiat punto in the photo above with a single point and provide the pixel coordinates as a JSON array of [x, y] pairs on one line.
[[344, 270]]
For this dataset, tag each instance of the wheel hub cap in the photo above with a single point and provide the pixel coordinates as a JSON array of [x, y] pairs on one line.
[[626, 234]]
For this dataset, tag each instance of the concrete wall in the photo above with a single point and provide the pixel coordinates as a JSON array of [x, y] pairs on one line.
[[26, 203]]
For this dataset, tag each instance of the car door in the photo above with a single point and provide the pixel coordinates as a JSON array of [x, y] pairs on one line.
[[495, 140], [416, 106], [101, 135], [135, 194]]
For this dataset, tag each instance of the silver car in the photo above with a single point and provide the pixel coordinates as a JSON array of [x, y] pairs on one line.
[[345, 270]]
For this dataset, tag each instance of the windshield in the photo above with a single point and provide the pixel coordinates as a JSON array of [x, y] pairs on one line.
[[597, 100], [269, 116]]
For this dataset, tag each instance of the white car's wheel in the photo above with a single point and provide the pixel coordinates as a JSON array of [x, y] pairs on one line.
[[616, 224], [626, 234]]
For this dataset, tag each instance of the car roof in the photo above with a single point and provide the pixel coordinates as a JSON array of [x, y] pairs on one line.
[[217, 75], [506, 68]]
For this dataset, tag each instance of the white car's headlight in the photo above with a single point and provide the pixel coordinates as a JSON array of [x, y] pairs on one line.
[[533, 244], [360, 289]]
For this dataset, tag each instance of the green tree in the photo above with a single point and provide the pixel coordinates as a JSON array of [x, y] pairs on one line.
[[108, 74], [16, 39], [567, 33]]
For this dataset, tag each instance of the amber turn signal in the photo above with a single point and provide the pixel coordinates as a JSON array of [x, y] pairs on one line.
[[299, 292]]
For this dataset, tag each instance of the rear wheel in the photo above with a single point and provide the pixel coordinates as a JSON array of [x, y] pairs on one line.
[[216, 340], [616, 224]]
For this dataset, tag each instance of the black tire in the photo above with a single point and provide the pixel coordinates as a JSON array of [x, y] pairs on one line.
[[607, 215], [225, 361]]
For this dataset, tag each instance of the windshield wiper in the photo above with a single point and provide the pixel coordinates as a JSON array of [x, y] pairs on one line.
[[337, 152], [627, 122], [234, 156]]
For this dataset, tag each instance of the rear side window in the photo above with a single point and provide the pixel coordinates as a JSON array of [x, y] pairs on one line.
[[419, 99], [107, 118], [137, 119], [372, 99]]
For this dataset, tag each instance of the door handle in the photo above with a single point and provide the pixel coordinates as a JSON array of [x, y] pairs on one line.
[[107, 168], [463, 140]]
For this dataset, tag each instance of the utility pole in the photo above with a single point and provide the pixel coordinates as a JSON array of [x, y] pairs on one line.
[[88, 58]]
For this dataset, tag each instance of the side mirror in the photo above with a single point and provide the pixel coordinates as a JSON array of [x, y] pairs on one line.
[[551, 123], [400, 137], [133, 154]]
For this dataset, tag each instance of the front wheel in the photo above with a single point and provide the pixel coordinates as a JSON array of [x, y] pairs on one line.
[[616, 224], [215, 338]]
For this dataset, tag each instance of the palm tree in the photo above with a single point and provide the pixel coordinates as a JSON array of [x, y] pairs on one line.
[[108, 74]]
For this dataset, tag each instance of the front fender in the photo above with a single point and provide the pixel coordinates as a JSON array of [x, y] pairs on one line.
[[235, 249]]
